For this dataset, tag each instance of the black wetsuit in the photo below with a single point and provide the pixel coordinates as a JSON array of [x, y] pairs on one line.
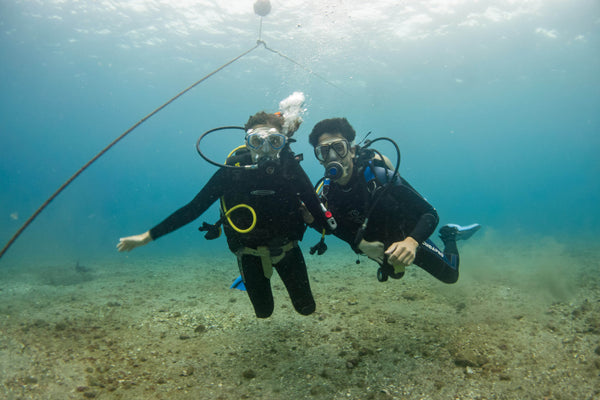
[[400, 212], [276, 198]]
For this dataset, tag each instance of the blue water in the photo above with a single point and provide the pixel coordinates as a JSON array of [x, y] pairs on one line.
[[495, 106]]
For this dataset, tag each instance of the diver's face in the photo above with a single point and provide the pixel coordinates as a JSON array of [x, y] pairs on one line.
[[333, 147], [264, 142]]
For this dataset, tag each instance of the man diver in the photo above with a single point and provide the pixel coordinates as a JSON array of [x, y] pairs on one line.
[[275, 195], [379, 213]]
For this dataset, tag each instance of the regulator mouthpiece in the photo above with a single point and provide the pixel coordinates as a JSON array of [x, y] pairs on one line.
[[268, 165], [334, 170]]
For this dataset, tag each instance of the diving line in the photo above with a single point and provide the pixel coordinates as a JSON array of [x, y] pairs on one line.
[[300, 65]]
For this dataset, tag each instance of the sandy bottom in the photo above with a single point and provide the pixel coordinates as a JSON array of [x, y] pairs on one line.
[[521, 323]]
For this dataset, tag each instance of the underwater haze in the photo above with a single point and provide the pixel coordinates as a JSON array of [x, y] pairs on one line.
[[494, 104]]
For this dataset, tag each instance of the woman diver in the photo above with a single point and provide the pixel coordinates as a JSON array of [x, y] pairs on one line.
[[277, 200]]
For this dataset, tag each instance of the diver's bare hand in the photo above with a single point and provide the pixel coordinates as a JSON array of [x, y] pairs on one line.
[[402, 253], [131, 242], [373, 250]]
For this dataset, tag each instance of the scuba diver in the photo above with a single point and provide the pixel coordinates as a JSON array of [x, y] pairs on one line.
[[378, 212], [266, 202]]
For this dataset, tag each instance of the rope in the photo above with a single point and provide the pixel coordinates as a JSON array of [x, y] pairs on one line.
[[114, 142], [310, 71]]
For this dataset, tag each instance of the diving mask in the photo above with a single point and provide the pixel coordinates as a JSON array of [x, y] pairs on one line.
[[340, 147], [334, 155], [265, 142]]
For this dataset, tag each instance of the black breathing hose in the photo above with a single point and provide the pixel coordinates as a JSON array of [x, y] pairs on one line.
[[221, 128]]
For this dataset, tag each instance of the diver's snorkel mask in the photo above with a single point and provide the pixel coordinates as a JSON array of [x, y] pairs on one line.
[[265, 143]]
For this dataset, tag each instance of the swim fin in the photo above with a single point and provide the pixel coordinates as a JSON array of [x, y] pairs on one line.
[[457, 232], [238, 284]]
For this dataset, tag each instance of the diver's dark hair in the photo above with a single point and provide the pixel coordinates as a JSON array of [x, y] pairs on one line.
[[332, 125], [264, 118]]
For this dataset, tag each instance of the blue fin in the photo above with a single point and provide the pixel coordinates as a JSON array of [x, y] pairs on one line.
[[238, 284]]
